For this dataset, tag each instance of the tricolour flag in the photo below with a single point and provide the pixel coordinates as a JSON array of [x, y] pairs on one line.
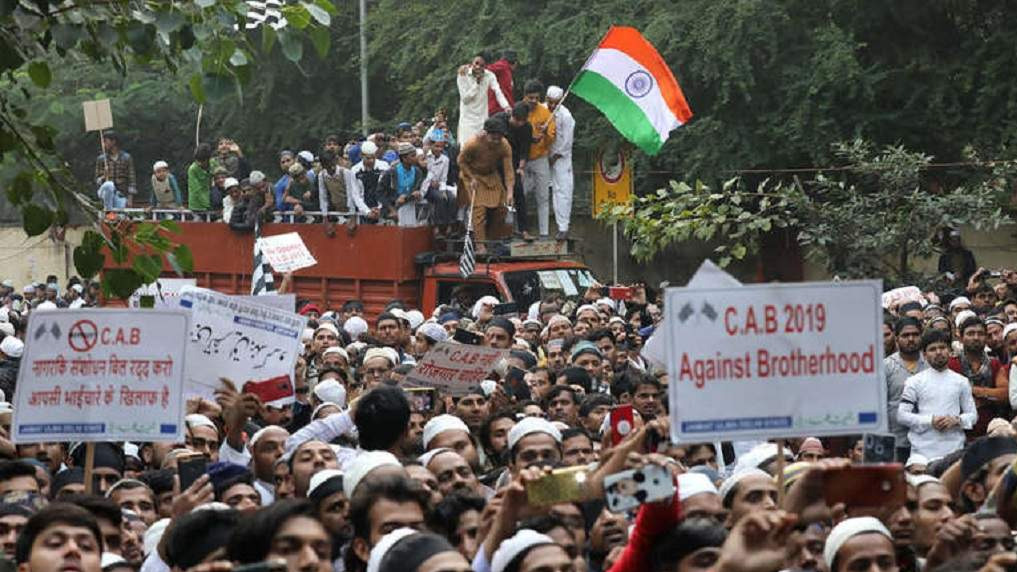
[[628, 81]]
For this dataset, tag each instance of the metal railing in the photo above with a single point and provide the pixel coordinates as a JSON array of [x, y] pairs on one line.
[[184, 215]]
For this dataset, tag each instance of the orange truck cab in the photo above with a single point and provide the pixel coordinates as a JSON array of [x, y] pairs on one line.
[[377, 264]]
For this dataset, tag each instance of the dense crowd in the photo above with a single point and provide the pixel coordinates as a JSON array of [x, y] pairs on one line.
[[504, 156], [362, 472]]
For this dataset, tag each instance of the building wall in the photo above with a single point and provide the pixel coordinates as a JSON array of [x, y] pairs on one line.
[[30, 259]]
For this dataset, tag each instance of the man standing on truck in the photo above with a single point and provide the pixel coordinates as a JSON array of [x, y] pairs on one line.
[[479, 163]]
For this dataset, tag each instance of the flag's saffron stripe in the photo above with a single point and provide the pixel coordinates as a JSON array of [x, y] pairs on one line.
[[630, 41]]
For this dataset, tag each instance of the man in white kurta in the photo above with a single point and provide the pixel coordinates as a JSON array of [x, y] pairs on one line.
[[473, 80], [560, 156], [937, 404]]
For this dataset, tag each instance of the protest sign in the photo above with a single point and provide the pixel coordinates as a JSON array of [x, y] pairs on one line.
[[775, 360], [286, 252], [454, 368], [901, 295], [285, 302], [101, 375], [245, 342], [165, 291]]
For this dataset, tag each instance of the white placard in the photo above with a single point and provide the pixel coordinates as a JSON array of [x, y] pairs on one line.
[[900, 295], [775, 360], [285, 302], [242, 341], [165, 291], [286, 252], [102, 375], [566, 283], [98, 115], [454, 368]]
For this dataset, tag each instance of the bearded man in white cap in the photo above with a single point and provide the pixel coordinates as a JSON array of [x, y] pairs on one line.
[[861, 543], [450, 432], [533, 442], [747, 491], [364, 193], [560, 157]]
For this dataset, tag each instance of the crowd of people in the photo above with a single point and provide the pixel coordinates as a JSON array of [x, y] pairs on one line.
[[505, 156], [363, 472]]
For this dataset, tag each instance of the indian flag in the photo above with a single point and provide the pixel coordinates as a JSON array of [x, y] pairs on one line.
[[628, 81]]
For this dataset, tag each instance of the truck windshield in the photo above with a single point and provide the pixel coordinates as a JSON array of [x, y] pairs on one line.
[[529, 286]]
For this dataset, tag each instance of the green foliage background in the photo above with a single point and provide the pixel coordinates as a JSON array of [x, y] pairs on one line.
[[772, 83]]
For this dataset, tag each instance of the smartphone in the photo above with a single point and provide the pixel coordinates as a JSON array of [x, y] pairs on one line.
[[879, 449], [627, 490], [272, 389], [190, 469], [515, 384], [562, 485], [422, 399], [866, 486], [619, 293], [622, 423], [506, 308], [467, 337], [266, 566]]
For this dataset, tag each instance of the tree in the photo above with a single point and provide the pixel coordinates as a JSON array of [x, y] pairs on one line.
[[199, 39], [883, 210]]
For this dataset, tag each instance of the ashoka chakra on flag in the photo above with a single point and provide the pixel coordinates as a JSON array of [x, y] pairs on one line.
[[631, 84]]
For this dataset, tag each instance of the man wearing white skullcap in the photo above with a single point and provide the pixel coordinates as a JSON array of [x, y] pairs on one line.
[[452, 473], [449, 432], [533, 442], [699, 497], [408, 550], [335, 356], [202, 435], [329, 391], [378, 365], [560, 157], [527, 551], [747, 491], [363, 193], [861, 543], [355, 326], [367, 463]]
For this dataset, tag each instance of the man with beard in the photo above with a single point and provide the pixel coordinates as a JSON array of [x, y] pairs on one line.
[[990, 400], [907, 361], [936, 404], [331, 505]]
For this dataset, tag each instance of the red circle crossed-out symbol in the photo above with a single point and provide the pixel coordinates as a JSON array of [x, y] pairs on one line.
[[83, 335]]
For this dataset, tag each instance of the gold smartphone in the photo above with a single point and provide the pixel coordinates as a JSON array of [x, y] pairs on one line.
[[562, 485]]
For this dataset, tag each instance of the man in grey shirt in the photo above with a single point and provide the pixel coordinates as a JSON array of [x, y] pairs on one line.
[[907, 361]]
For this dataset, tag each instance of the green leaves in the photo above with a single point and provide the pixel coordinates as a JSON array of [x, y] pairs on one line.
[[10, 58], [19, 191], [40, 74], [121, 282], [292, 46], [36, 219], [181, 260], [319, 14], [88, 257], [297, 15], [322, 40]]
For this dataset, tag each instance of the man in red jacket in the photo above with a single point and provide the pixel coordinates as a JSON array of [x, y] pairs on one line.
[[502, 70]]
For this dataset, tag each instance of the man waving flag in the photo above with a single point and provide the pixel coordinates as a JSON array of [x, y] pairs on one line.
[[629, 82]]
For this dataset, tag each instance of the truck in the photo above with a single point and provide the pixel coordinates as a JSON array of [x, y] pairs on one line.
[[377, 264]]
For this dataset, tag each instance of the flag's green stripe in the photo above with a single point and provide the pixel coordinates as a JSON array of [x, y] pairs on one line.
[[620, 110]]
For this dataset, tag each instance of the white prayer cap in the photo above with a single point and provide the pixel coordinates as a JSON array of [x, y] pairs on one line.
[[132, 450], [534, 312], [586, 307], [326, 404], [306, 156], [214, 505], [198, 420], [1009, 329], [692, 484], [47, 305], [429, 456], [12, 347], [8, 283], [959, 300], [5, 314], [355, 326], [847, 530], [336, 350], [331, 391], [6, 407], [554, 92], [560, 425], [607, 302], [963, 316], [433, 332], [260, 433], [483, 301], [28, 288], [918, 480], [440, 424], [559, 318], [513, 547], [320, 478], [529, 425], [230, 182], [916, 459], [160, 165], [7, 328], [368, 148], [384, 545], [415, 318], [327, 326], [256, 177], [78, 288], [731, 482], [759, 455], [154, 534], [364, 464], [387, 353]]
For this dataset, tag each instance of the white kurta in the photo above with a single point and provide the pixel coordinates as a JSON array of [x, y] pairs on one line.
[[562, 182], [473, 101], [932, 393]]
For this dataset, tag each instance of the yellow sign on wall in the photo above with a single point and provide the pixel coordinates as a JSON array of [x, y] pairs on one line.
[[612, 179]]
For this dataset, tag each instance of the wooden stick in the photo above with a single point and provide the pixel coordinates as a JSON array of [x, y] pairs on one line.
[[780, 472], [89, 466]]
